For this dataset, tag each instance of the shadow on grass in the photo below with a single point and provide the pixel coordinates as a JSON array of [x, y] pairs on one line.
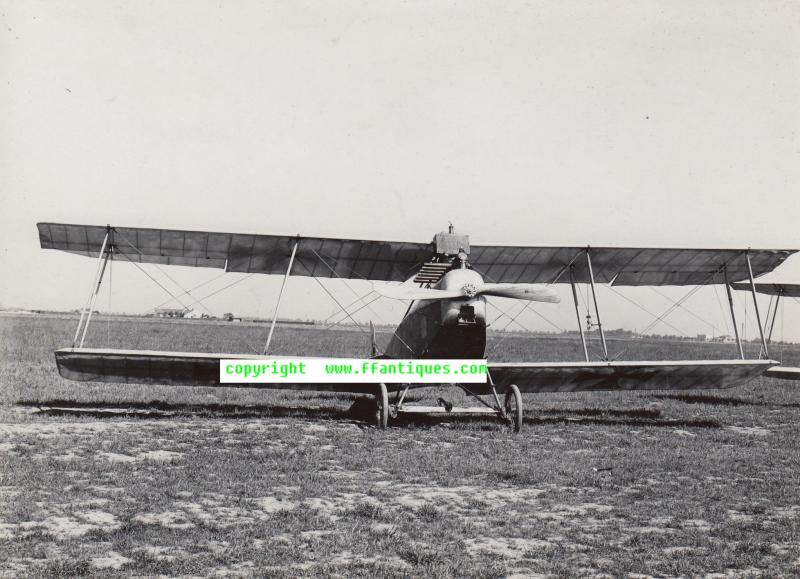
[[720, 400], [706, 399], [545, 416], [663, 422], [158, 410], [633, 413], [361, 412]]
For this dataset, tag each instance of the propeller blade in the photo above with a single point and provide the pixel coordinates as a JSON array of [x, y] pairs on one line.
[[522, 291], [533, 292], [404, 292]]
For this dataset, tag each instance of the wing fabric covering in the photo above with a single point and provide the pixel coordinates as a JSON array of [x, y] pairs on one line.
[[245, 253], [399, 260], [620, 265], [596, 376]]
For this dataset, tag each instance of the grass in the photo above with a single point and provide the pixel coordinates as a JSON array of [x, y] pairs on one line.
[[99, 480]]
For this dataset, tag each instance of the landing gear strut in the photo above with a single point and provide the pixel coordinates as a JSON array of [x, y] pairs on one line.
[[510, 412]]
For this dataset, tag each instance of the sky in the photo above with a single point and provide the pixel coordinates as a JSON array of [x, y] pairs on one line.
[[541, 123]]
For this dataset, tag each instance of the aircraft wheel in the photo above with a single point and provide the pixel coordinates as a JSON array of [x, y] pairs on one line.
[[382, 403], [514, 407]]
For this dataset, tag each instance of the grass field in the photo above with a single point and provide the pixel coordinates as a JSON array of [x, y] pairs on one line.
[[109, 480]]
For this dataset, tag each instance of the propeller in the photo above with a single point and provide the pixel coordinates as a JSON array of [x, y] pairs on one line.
[[533, 292]]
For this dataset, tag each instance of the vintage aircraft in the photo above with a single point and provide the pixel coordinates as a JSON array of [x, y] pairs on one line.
[[447, 314]]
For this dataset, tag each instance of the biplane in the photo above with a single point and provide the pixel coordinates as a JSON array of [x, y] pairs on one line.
[[446, 282]]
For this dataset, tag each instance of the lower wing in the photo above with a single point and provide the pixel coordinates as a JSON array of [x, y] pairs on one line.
[[201, 369], [174, 369], [661, 375]]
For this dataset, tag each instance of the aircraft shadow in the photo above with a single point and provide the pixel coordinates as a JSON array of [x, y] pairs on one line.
[[360, 413], [706, 399], [158, 410], [662, 422], [720, 400]]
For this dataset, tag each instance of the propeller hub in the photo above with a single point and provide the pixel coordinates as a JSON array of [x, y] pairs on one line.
[[470, 290]]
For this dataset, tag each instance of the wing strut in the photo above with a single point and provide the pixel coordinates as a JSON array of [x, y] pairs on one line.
[[102, 260], [577, 311], [733, 312], [596, 311], [774, 315], [280, 295], [755, 305]]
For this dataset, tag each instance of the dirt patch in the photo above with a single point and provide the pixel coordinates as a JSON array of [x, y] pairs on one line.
[[750, 430], [167, 519], [511, 548], [112, 560]]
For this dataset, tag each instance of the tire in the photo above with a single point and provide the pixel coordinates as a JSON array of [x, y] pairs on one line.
[[382, 404], [513, 407]]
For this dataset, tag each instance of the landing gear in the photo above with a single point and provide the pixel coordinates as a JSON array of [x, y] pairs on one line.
[[513, 407], [509, 412], [382, 406]]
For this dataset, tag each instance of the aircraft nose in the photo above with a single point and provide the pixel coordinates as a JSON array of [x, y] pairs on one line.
[[470, 290]]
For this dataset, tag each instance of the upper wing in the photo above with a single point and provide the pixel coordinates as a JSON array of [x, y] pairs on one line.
[[247, 253], [621, 266], [773, 289], [590, 376], [398, 260]]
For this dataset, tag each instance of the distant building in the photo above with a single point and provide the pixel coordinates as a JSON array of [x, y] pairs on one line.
[[171, 312]]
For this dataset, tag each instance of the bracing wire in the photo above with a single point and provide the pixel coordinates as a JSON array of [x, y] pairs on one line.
[[498, 318], [350, 305], [505, 335], [197, 287], [783, 312], [223, 288], [586, 300], [744, 322], [541, 315], [159, 268], [158, 283], [671, 309], [515, 320], [684, 308], [362, 330], [680, 301], [367, 305], [354, 292], [645, 310], [338, 303], [581, 301], [722, 310], [373, 300], [334, 272]]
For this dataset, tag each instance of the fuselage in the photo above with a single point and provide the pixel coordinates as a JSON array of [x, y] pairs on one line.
[[445, 328]]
